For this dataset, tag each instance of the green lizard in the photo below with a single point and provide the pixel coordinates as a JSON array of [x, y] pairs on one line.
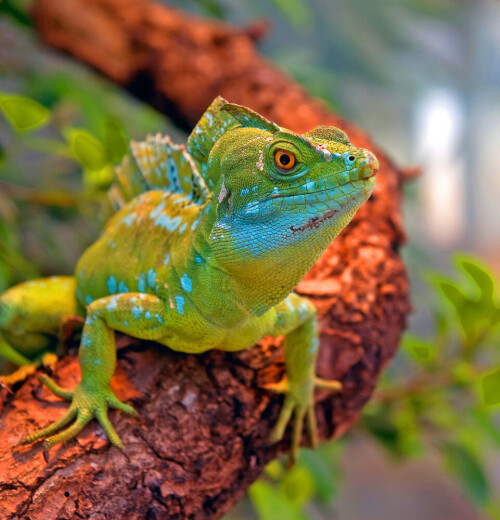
[[202, 250]]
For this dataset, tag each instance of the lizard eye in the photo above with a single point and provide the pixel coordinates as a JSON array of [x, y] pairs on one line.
[[284, 159]]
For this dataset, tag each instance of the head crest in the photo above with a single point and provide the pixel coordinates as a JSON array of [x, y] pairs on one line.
[[250, 119]]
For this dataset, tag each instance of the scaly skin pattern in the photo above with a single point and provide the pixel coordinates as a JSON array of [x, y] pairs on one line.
[[202, 251]]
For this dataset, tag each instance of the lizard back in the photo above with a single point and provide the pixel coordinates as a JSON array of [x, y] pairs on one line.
[[159, 164]]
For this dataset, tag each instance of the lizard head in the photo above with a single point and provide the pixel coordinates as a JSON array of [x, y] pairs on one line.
[[281, 195]]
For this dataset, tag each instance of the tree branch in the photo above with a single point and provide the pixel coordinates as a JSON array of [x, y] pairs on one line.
[[201, 435]]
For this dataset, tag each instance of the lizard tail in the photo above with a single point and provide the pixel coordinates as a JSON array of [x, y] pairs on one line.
[[5, 314]]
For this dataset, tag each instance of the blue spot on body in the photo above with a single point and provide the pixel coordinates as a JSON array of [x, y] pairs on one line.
[[141, 283], [125, 323], [147, 314], [167, 259], [157, 210], [159, 318], [88, 299], [111, 284], [179, 300], [303, 310], [170, 224], [136, 311], [86, 341], [122, 288], [244, 191], [194, 225], [199, 260], [152, 278], [314, 346], [182, 228], [129, 219], [111, 305], [186, 283], [97, 362]]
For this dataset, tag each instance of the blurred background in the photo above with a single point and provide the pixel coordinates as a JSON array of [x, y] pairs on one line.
[[423, 78]]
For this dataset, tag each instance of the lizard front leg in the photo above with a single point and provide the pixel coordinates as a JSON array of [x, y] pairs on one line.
[[296, 318], [140, 315]]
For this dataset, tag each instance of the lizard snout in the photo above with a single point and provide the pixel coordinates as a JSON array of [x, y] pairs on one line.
[[367, 165]]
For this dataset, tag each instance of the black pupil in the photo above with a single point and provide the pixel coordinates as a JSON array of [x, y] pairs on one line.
[[284, 159], [351, 157]]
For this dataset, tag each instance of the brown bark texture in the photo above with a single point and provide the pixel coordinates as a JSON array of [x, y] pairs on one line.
[[201, 435]]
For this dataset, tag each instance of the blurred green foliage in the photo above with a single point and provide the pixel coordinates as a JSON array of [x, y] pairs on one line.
[[439, 397], [441, 392]]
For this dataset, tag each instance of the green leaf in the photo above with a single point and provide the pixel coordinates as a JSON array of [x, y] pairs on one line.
[[298, 485], [479, 274], [468, 469], [297, 11], [381, 427], [490, 386], [16, 12], [270, 504], [486, 423], [88, 149], [98, 179], [322, 472], [454, 294], [469, 314], [495, 319], [213, 8], [114, 140], [23, 113], [275, 470], [418, 348]]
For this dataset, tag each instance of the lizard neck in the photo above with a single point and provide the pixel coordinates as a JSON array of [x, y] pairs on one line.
[[257, 265]]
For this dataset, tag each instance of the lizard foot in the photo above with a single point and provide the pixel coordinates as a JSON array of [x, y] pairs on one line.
[[86, 403], [299, 402]]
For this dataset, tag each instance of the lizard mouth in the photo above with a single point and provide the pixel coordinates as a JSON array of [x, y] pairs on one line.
[[315, 222]]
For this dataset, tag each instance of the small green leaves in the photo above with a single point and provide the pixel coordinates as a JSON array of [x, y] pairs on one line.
[[468, 469], [88, 149], [419, 349], [298, 485], [23, 113], [271, 505], [114, 140], [490, 386], [475, 303], [479, 274]]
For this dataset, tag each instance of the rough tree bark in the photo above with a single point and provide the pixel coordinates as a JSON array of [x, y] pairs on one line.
[[201, 435]]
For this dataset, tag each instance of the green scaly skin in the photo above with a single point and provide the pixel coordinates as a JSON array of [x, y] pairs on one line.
[[207, 260]]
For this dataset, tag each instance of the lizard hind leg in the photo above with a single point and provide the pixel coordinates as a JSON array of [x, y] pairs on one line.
[[30, 317]]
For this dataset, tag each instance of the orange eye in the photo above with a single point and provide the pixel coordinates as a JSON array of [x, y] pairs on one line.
[[284, 159]]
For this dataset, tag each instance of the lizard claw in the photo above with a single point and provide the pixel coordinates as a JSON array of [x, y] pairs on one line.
[[4, 385], [86, 404], [299, 403]]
